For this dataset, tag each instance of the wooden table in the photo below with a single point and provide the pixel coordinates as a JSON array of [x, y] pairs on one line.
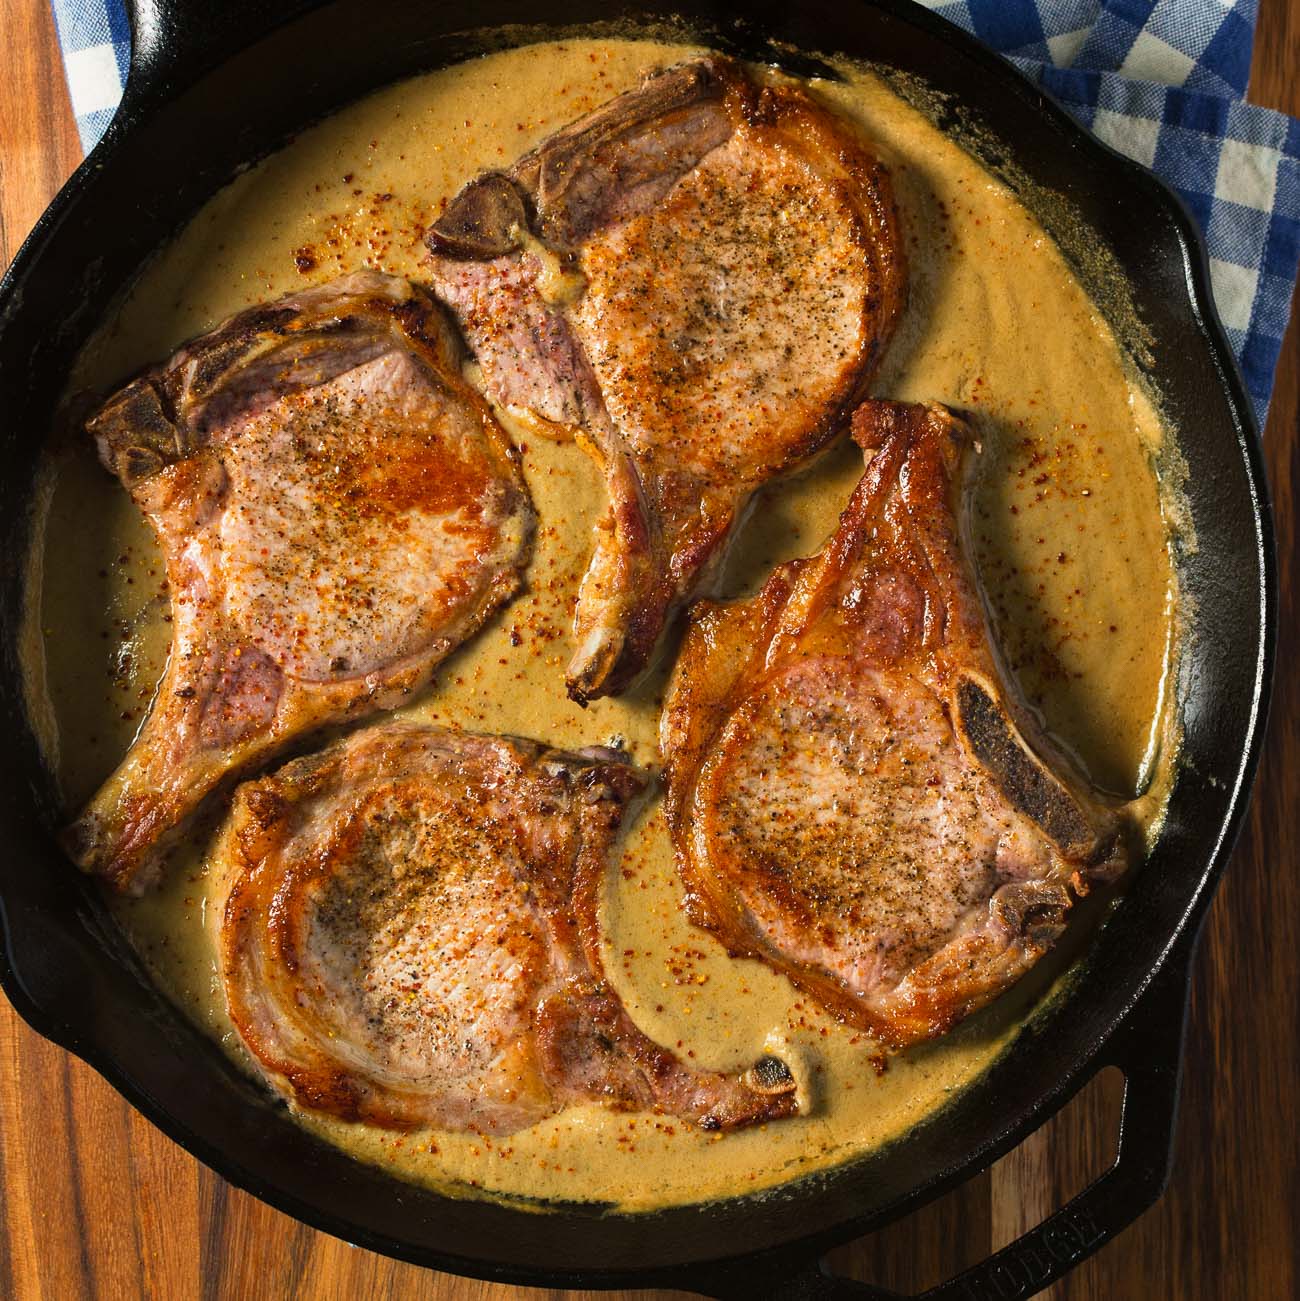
[[95, 1202]]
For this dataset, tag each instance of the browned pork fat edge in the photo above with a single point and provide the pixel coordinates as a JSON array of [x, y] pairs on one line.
[[410, 938], [853, 795], [337, 509], [698, 279]]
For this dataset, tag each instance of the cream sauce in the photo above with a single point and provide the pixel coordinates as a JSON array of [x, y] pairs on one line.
[[1067, 526]]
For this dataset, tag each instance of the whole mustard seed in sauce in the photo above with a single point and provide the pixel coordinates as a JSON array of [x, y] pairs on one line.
[[1066, 525]]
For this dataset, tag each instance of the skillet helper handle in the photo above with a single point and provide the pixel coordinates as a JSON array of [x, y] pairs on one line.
[[1148, 1049]]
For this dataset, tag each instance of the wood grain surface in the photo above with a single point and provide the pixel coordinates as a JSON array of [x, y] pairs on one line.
[[94, 1202]]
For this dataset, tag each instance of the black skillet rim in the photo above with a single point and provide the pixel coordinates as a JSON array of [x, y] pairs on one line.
[[1206, 321]]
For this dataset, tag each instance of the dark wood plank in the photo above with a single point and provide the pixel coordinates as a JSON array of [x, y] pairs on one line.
[[94, 1202], [37, 132]]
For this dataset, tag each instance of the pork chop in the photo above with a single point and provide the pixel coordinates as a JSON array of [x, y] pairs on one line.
[[699, 279], [852, 792], [410, 938], [337, 510]]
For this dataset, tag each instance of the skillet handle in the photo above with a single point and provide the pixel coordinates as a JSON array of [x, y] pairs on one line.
[[1148, 1049], [174, 42]]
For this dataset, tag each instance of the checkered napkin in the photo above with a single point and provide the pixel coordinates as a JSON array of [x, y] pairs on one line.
[[1160, 80], [1163, 83]]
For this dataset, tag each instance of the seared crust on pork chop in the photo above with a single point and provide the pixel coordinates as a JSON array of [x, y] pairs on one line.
[[698, 279], [410, 937], [849, 794], [337, 510]]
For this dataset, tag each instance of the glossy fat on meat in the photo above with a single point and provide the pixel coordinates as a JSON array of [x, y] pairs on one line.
[[337, 511], [698, 279], [851, 791], [410, 937]]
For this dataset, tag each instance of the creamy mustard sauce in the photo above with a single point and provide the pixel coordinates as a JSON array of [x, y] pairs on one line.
[[1066, 523]]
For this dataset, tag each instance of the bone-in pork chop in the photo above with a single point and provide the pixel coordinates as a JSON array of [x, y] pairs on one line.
[[338, 511], [410, 938], [699, 279], [849, 795]]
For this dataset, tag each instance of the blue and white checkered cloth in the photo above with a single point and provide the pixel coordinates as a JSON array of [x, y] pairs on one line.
[[1160, 80]]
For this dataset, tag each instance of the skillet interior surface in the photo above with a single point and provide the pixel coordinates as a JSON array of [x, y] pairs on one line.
[[203, 104]]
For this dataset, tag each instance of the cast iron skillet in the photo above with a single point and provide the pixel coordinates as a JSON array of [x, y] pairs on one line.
[[213, 87]]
